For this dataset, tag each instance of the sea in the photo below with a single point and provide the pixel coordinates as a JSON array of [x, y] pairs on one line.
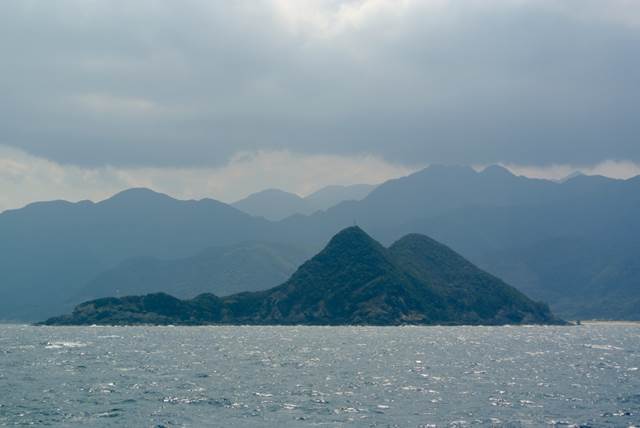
[[223, 376]]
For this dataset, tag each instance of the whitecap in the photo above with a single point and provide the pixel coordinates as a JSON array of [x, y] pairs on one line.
[[604, 347], [59, 345]]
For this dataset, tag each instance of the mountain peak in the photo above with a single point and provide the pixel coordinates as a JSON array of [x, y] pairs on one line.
[[268, 194], [273, 204], [497, 171], [450, 169], [354, 230], [352, 242], [273, 191], [136, 195], [415, 239], [351, 236], [350, 250], [433, 255]]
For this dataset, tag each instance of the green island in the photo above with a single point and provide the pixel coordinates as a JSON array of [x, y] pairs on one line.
[[354, 280]]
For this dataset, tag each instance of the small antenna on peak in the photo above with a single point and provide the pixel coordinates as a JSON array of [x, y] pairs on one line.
[[355, 223]]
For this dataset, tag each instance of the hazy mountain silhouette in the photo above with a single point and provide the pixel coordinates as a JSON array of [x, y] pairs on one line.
[[493, 215], [353, 280], [330, 196], [249, 266], [274, 204], [573, 244], [49, 250]]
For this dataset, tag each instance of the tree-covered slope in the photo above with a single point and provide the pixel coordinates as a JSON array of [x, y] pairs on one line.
[[353, 280], [466, 291]]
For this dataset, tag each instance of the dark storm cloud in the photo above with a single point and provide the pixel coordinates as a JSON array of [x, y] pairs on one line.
[[192, 82]]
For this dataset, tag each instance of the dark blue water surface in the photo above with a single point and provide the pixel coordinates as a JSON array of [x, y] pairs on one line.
[[587, 375]]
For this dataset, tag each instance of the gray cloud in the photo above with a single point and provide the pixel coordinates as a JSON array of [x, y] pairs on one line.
[[25, 178], [191, 83]]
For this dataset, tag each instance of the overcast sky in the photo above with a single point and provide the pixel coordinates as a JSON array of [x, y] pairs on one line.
[[221, 98]]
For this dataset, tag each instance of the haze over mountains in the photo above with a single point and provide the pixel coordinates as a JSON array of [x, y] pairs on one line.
[[353, 280], [275, 204], [573, 244], [50, 250], [248, 266]]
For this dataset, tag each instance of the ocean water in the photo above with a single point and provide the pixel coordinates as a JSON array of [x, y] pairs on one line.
[[585, 375]]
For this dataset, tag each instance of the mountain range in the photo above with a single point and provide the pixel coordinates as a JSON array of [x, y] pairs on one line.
[[353, 280], [574, 244], [275, 204], [49, 251]]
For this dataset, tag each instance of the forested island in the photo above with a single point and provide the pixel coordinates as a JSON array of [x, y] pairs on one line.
[[354, 280]]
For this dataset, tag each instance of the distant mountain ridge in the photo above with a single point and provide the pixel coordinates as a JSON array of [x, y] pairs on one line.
[[574, 244], [50, 250], [331, 196], [353, 280], [275, 204], [506, 224], [222, 270]]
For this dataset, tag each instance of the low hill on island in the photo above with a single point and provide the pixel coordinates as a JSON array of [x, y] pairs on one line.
[[353, 281]]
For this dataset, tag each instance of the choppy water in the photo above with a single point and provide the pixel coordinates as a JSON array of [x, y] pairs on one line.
[[298, 376]]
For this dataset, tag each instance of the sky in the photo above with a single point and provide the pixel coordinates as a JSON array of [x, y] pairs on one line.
[[216, 98]]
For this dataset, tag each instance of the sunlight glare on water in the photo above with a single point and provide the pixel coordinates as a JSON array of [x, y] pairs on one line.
[[329, 376]]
